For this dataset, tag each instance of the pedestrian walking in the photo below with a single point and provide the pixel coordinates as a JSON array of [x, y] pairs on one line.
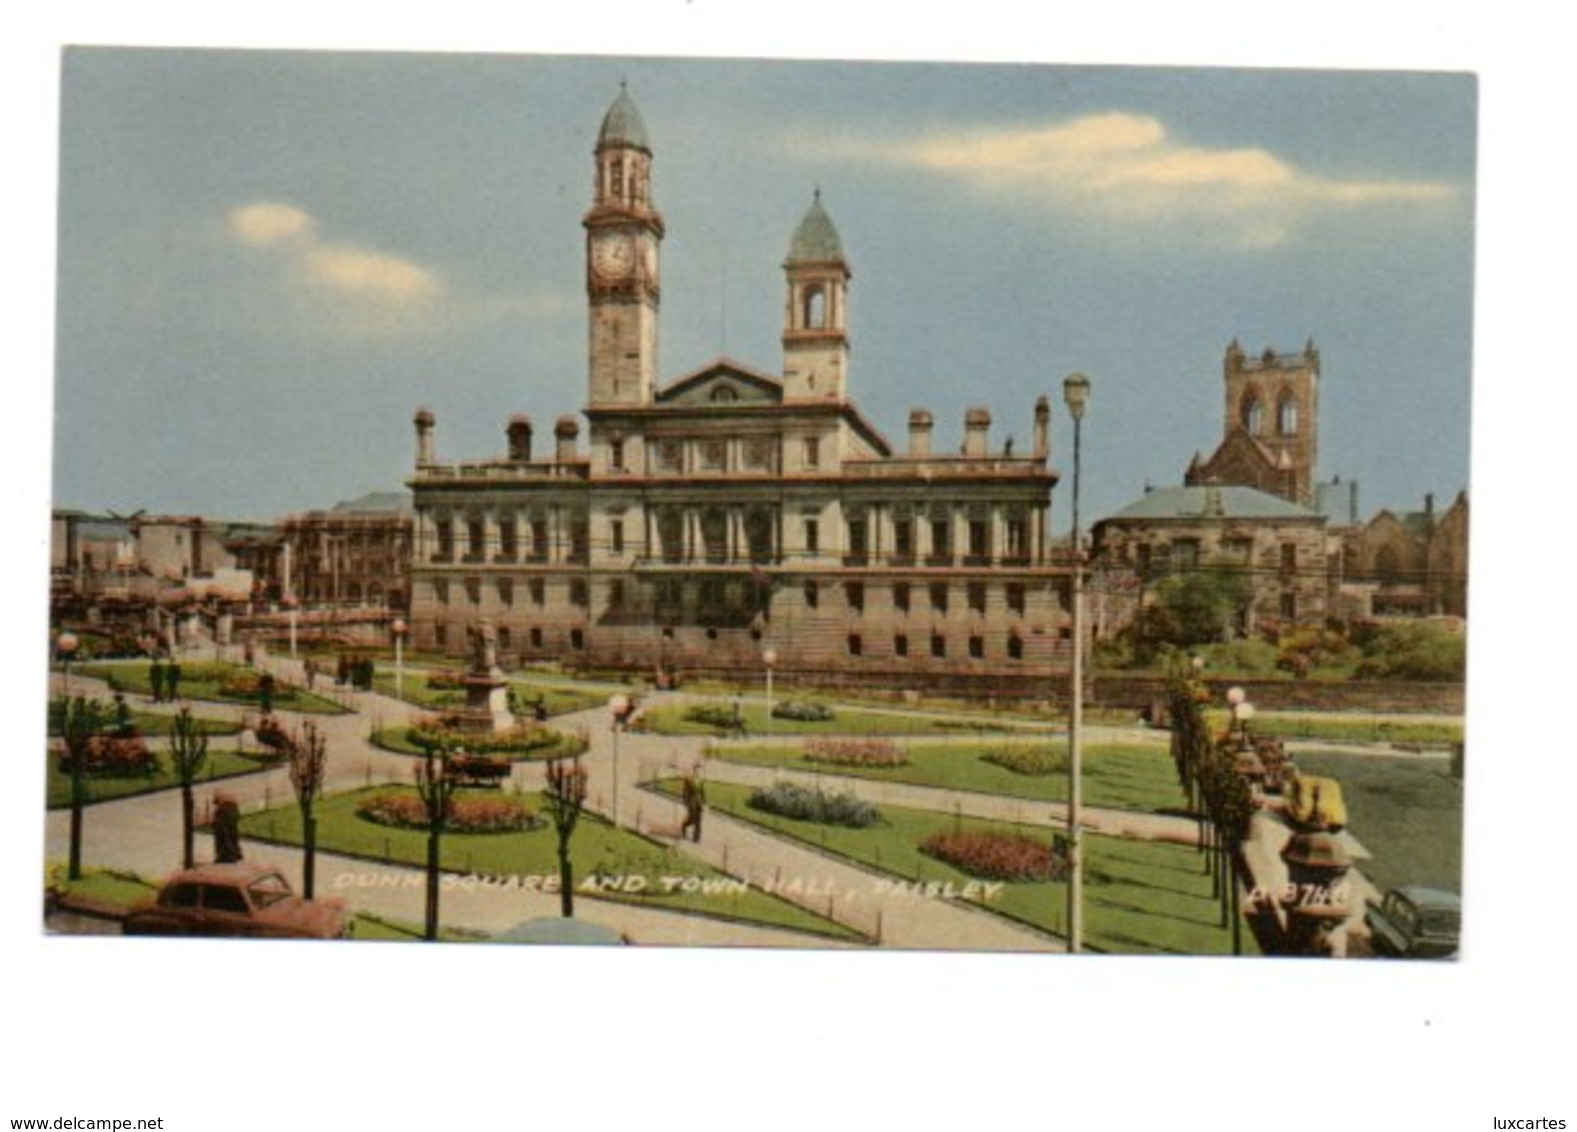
[[694, 806], [156, 680], [172, 680]]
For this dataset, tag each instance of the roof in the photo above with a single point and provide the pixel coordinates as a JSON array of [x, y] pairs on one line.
[[816, 238], [623, 125], [1224, 502], [376, 503]]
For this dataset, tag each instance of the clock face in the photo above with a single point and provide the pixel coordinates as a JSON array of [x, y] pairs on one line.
[[612, 256]]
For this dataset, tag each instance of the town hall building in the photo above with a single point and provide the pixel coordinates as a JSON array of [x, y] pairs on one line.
[[737, 516]]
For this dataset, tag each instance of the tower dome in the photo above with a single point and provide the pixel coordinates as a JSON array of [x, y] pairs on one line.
[[623, 125], [816, 239]]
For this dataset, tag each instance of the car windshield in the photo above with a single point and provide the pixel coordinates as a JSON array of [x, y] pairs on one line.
[[266, 890]]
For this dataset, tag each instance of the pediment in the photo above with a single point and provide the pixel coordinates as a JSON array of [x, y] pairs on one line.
[[721, 384]]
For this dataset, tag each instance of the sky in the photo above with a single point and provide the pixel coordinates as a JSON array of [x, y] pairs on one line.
[[269, 259]]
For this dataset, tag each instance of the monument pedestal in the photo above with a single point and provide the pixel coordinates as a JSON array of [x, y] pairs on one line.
[[486, 704]]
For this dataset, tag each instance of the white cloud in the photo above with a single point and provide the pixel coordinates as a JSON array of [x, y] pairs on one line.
[[361, 275], [1126, 167]]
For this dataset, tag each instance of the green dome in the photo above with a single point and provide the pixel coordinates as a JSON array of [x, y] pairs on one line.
[[622, 125], [815, 240]]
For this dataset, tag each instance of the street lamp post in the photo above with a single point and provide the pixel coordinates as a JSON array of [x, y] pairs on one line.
[[291, 609], [618, 708], [399, 628], [1076, 394], [66, 646], [769, 657]]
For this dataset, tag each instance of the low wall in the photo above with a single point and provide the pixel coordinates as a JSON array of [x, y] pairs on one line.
[[1296, 695]]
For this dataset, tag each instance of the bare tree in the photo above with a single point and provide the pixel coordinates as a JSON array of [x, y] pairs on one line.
[[436, 787], [188, 751], [566, 795], [81, 720], [308, 755]]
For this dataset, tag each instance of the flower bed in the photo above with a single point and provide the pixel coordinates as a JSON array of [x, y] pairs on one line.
[[466, 815], [790, 801], [997, 856], [525, 741], [1027, 760], [112, 757], [855, 752]]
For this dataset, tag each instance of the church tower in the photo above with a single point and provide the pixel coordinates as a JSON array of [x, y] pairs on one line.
[[815, 318], [623, 231], [1275, 399]]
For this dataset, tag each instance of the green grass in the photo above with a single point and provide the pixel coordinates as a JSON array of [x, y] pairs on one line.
[[1141, 897], [394, 739], [1116, 776], [365, 925], [1374, 729], [596, 847], [219, 765], [201, 680], [103, 886], [668, 719], [150, 723], [559, 699], [1405, 811]]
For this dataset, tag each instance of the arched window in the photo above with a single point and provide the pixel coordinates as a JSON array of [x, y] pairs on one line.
[[1253, 413], [725, 393], [814, 314], [1287, 415]]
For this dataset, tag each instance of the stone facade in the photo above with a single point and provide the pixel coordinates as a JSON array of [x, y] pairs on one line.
[[735, 510], [1409, 564], [357, 554]]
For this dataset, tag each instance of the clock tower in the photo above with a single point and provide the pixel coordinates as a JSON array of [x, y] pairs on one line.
[[623, 231]]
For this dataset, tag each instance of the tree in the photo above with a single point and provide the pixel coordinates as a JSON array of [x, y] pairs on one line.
[[188, 752], [308, 756], [566, 795], [81, 720], [436, 787], [1198, 607], [1414, 650]]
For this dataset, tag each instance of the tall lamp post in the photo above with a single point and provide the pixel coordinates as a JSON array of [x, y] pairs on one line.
[[399, 629], [1076, 394], [769, 657], [291, 608], [66, 647], [618, 708]]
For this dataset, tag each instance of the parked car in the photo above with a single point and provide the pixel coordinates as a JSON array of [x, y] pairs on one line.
[[237, 900], [1414, 922]]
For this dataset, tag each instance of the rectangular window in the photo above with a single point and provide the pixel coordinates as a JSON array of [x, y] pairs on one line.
[[577, 639], [1185, 554], [901, 596], [939, 596], [444, 530], [1015, 597], [616, 536], [812, 536], [577, 592], [1015, 647], [1289, 558], [977, 597], [616, 455], [476, 540], [539, 540], [979, 541], [506, 591], [858, 535], [579, 541], [505, 641], [938, 646], [941, 542], [441, 635], [856, 646], [1018, 540], [1289, 606], [473, 590], [536, 638], [812, 595], [977, 647], [441, 590], [538, 591], [900, 645], [616, 594], [813, 451], [903, 540], [508, 540], [856, 595]]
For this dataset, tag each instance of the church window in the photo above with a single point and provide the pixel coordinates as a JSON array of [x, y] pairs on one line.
[[1287, 416], [1253, 414]]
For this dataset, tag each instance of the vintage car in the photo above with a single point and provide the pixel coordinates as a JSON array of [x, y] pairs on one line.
[[1414, 922], [237, 900]]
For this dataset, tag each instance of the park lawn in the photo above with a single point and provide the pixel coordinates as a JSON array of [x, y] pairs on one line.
[[149, 723], [1142, 897], [201, 680], [110, 887], [669, 720], [1346, 728], [220, 765], [557, 698], [1006, 712], [365, 925], [1407, 811], [596, 848], [394, 739], [1116, 776]]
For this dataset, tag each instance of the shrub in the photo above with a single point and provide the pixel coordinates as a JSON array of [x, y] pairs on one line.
[[1414, 650], [855, 752], [802, 804], [466, 815], [802, 711], [524, 741], [997, 856], [711, 715], [1030, 760]]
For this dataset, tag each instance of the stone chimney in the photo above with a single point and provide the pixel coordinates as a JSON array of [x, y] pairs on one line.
[[519, 433], [424, 422], [1042, 427], [977, 432], [919, 432], [566, 431]]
